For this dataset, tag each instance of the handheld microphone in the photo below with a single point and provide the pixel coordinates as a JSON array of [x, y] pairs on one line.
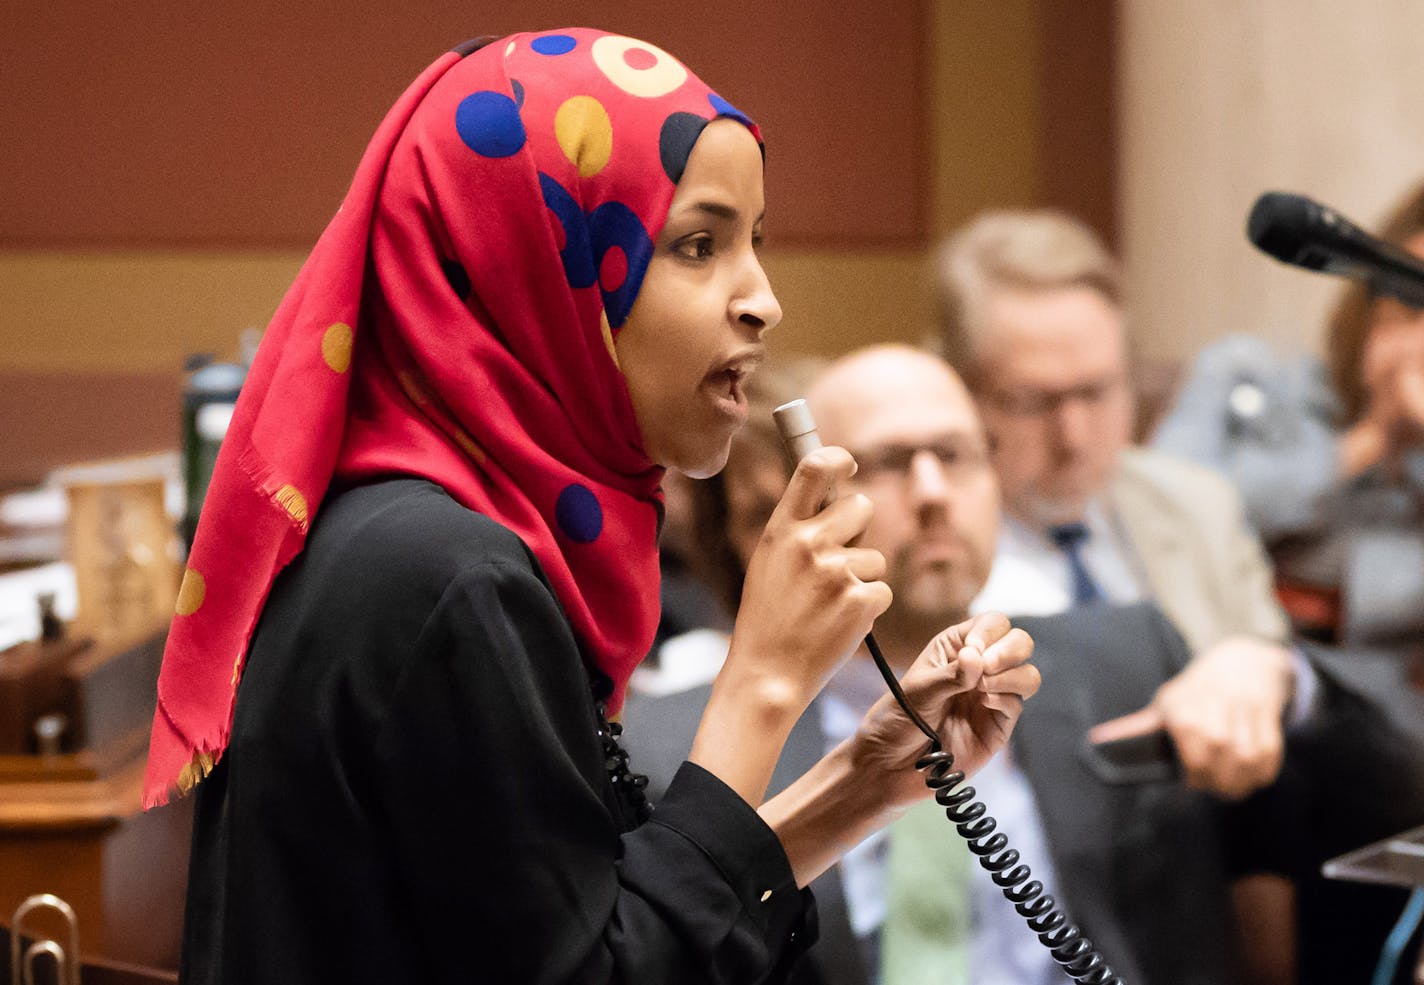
[[798, 434], [798, 431], [1304, 233]]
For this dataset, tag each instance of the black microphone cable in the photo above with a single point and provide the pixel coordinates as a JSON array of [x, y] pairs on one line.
[[1073, 952]]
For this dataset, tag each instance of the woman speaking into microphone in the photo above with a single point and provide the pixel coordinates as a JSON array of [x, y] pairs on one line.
[[427, 565]]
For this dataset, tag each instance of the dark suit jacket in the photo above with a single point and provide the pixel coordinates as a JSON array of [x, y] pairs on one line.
[[1141, 866]]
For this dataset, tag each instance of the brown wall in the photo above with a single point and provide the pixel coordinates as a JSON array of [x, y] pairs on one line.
[[219, 125], [167, 164]]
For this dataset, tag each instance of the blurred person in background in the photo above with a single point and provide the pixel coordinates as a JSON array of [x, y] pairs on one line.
[[1330, 462], [1033, 317], [1142, 866]]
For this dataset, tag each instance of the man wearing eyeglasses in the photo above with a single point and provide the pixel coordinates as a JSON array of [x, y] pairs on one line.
[[1142, 863], [1142, 868], [1032, 317]]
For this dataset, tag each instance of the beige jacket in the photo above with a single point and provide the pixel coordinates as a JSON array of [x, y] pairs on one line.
[[1205, 567]]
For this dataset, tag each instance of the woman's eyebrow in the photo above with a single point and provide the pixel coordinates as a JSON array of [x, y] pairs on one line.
[[719, 209], [692, 212]]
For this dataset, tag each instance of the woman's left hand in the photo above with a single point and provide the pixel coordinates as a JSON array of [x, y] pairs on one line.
[[969, 684]]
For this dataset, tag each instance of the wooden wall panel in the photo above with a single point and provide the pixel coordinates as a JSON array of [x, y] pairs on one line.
[[170, 123], [986, 117], [1078, 99], [57, 418]]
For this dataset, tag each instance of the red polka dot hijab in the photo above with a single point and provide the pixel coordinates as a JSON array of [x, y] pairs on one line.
[[456, 321]]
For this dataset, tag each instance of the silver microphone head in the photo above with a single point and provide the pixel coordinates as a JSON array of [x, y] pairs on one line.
[[798, 430]]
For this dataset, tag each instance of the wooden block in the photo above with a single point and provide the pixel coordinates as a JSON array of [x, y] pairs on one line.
[[123, 546]]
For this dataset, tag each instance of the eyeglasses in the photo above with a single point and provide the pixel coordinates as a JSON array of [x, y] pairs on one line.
[[1041, 403], [958, 459]]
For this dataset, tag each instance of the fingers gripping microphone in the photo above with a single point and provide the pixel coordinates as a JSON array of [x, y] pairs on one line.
[[1073, 952], [1304, 233], [798, 431]]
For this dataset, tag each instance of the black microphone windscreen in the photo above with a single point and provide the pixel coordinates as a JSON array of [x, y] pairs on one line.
[[1301, 232], [1281, 223]]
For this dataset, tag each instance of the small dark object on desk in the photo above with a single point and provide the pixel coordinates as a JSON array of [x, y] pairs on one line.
[[51, 626]]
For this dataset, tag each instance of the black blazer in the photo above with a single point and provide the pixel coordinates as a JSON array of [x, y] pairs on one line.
[[415, 790]]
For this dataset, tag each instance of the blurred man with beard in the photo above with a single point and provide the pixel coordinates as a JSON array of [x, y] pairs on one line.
[[1136, 857]]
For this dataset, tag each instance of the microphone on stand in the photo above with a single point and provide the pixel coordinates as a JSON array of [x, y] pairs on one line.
[[1298, 231]]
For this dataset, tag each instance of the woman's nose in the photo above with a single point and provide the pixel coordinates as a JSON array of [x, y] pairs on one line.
[[755, 305]]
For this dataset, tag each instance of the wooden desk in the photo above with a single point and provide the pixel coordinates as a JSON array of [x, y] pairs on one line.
[[71, 823], [92, 971], [73, 826]]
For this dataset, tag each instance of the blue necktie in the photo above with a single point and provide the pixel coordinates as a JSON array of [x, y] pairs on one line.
[[1070, 537]]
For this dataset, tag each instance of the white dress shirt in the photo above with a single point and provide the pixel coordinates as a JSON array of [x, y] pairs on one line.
[[1032, 577]]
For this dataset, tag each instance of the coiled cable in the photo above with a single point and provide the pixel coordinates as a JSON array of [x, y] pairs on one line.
[[1073, 952]]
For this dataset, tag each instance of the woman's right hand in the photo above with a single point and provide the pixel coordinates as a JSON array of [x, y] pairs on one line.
[[809, 598], [969, 684]]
